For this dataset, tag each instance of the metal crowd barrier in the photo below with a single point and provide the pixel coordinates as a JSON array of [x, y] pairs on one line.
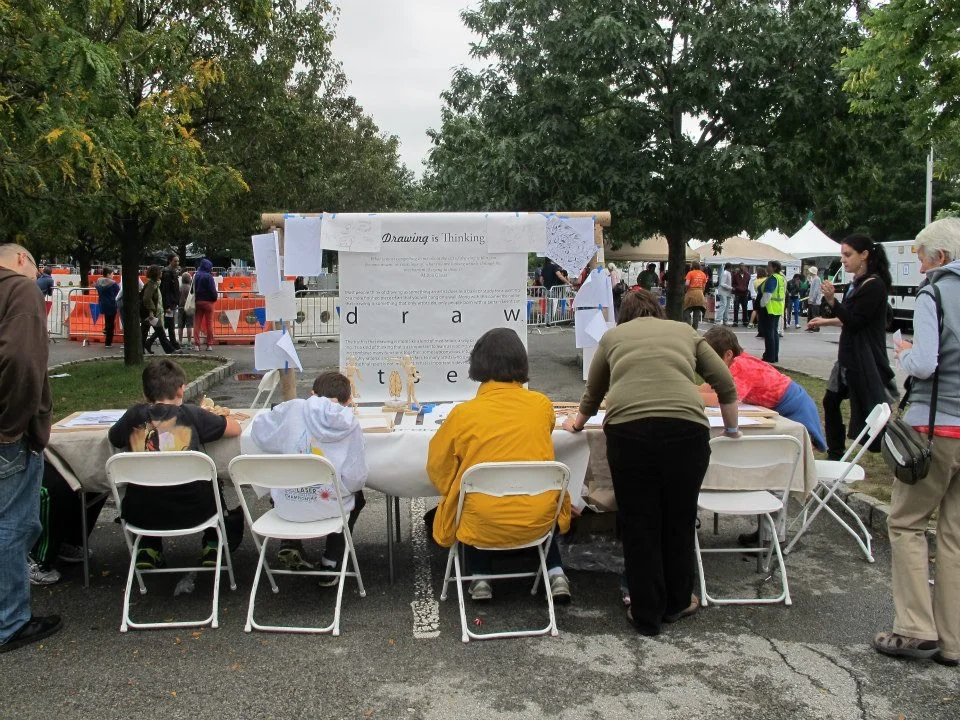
[[318, 315], [536, 306], [560, 305], [57, 313]]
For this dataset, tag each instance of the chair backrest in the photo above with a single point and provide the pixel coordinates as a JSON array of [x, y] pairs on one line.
[[160, 469], [268, 384], [874, 424], [501, 479], [283, 472], [759, 453]]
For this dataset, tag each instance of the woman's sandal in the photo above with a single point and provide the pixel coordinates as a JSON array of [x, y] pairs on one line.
[[891, 643], [686, 612]]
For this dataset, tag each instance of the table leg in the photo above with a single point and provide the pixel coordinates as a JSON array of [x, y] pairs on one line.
[[390, 499], [396, 514], [84, 544]]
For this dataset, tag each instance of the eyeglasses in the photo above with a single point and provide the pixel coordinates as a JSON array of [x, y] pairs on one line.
[[29, 257]]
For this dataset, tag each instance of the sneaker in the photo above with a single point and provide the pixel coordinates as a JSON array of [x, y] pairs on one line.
[[72, 554], [149, 559], [329, 580], [560, 589], [291, 559], [208, 556], [42, 575], [36, 628], [891, 643], [480, 591]]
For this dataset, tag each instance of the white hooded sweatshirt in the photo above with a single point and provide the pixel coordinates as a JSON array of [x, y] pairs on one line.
[[320, 426]]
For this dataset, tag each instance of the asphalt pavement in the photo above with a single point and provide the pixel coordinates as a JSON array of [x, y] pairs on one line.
[[809, 660]]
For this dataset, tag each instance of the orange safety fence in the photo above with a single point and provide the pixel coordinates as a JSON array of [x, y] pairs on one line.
[[237, 318]]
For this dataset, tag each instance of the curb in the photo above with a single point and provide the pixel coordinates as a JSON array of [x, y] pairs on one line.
[[194, 390]]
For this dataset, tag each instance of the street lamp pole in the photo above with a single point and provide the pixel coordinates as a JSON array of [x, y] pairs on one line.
[[929, 216]]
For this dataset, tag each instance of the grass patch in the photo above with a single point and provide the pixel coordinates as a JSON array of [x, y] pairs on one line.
[[108, 384], [878, 482]]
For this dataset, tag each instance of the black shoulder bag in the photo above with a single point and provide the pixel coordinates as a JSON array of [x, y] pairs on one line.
[[902, 447]]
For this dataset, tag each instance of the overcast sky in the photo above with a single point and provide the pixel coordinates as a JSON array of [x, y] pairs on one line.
[[399, 56]]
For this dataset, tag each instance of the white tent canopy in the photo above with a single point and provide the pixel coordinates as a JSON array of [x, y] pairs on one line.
[[810, 241], [653, 248], [775, 238], [739, 249]]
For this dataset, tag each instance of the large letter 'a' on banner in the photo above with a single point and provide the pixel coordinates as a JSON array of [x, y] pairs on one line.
[[429, 292]]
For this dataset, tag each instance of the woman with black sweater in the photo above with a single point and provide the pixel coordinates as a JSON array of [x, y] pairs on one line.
[[862, 372]]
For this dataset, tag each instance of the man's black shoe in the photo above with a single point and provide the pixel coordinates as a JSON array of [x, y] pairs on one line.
[[36, 628]]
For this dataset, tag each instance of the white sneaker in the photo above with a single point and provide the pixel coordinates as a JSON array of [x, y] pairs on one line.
[[560, 588], [40, 575], [70, 553], [480, 590]]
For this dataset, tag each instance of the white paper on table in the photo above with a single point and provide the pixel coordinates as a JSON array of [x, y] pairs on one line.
[[285, 343], [597, 327], [716, 421], [301, 246], [266, 256], [516, 232], [350, 232], [93, 417], [582, 319], [570, 242], [267, 353], [594, 291], [408, 422], [282, 304], [440, 411]]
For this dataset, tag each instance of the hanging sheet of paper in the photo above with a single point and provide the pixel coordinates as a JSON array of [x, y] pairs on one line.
[[285, 343], [301, 246], [282, 304], [583, 320], [266, 256], [516, 232], [597, 327], [595, 291], [350, 232], [272, 352], [570, 242]]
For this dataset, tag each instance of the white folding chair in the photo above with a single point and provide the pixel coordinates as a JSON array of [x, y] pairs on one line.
[[289, 472], [167, 469], [832, 474], [268, 385], [503, 479], [759, 453]]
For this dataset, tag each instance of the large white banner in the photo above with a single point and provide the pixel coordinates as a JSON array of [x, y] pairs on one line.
[[432, 289]]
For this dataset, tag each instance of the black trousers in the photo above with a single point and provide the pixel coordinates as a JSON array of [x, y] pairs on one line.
[[158, 334], [60, 516], [740, 302], [771, 336], [170, 323], [657, 466], [109, 325], [333, 549], [834, 431]]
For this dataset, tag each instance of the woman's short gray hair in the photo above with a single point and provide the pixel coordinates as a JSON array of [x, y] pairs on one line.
[[943, 235]]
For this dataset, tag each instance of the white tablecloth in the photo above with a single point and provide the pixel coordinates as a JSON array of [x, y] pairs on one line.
[[398, 460]]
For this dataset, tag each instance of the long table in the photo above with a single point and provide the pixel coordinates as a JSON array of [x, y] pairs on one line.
[[397, 462]]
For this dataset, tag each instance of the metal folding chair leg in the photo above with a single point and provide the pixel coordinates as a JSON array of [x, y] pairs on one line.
[[863, 539]]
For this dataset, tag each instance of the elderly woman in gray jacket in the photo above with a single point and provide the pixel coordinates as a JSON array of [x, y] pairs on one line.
[[921, 627]]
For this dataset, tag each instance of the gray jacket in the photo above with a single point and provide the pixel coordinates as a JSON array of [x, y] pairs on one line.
[[921, 360]]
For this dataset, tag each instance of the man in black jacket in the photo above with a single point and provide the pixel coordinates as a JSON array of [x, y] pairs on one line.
[[170, 292]]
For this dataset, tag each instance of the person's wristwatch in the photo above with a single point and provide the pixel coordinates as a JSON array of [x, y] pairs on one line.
[[731, 430]]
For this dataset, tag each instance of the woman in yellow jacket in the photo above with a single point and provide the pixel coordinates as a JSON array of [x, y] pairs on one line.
[[505, 422]]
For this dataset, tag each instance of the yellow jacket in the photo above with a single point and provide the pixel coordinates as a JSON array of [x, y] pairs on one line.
[[503, 423]]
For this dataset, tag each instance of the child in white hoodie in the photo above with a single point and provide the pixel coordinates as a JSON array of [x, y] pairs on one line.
[[323, 424]]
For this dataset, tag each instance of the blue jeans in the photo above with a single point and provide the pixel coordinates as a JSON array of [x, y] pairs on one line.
[[480, 562], [21, 471], [798, 406]]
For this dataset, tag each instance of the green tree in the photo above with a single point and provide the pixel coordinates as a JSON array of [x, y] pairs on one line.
[[660, 111], [909, 63]]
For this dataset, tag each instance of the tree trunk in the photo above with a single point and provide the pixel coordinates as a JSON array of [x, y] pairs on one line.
[[677, 244], [83, 259], [130, 239]]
